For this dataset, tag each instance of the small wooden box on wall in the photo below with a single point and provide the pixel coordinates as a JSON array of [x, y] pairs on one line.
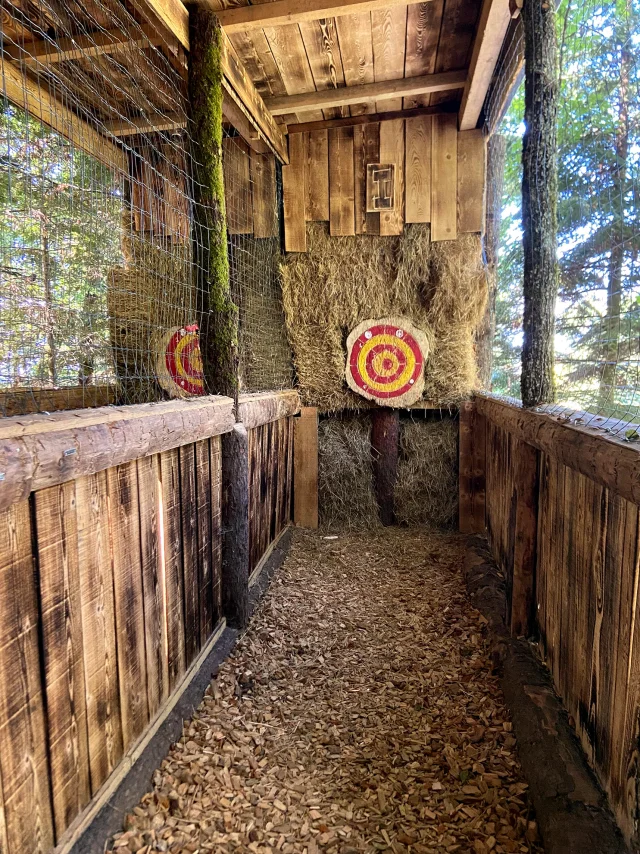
[[438, 178]]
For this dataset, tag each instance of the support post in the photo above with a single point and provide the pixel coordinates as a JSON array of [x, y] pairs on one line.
[[539, 201], [526, 533], [471, 468], [235, 526], [305, 468], [385, 434], [219, 333]]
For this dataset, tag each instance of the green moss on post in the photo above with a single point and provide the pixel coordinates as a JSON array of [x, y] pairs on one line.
[[219, 333]]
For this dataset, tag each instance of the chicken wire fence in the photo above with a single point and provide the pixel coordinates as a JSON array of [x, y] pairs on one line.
[[97, 278], [597, 335]]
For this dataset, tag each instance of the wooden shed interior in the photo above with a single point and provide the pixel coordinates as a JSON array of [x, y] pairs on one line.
[[139, 515]]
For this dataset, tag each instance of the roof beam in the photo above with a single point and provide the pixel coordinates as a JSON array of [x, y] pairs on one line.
[[366, 93], [372, 118], [492, 28], [48, 52], [154, 124], [243, 18], [36, 100]]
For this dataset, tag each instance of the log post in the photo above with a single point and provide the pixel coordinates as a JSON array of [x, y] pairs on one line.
[[471, 465], [385, 434], [219, 332], [539, 201], [526, 533], [235, 526], [305, 468]]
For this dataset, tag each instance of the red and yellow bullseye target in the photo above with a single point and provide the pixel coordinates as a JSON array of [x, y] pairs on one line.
[[385, 361], [179, 362]]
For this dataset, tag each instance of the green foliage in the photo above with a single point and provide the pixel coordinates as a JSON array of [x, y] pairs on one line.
[[60, 220], [598, 311]]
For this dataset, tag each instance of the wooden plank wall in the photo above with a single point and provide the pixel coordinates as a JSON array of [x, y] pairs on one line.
[[270, 482], [250, 189], [586, 604], [439, 178]]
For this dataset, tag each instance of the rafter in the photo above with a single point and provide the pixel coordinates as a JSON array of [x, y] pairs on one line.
[[368, 92], [372, 118], [281, 12], [154, 124], [49, 52]]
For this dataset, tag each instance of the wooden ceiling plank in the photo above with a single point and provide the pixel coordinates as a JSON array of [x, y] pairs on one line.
[[457, 29], [283, 12], [173, 16], [492, 29], [389, 31], [372, 118], [27, 94], [49, 52], [290, 55], [423, 33], [384, 90], [356, 49], [320, 39]]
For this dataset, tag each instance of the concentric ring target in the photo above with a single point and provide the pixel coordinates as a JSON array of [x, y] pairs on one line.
[[179, 362], [385, 361]]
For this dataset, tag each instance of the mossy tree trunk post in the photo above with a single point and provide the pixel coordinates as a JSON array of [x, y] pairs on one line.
[[219, 333], [385, 437], [539, 201]]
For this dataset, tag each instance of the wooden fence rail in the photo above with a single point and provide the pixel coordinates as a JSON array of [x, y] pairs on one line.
[[560, 508], [111, 584]]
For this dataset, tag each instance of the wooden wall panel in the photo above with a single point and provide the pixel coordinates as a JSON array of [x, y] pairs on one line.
[[392, 151], [203, 518], [418, 169], [471, 177], [341, 182], [98, 628], [237, 185], [317, 176], [26, 823], [444, 174], [293, 187], [216, 527], [172, 545], [265, 205], [366, 149], [57, 534]]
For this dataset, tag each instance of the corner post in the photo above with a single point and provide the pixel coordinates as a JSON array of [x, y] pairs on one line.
[[235, 526]]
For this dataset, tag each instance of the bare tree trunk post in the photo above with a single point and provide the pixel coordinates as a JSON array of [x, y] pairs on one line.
[[496, 154], [385, 432], [235, 527], [219, 333], [539, 201]]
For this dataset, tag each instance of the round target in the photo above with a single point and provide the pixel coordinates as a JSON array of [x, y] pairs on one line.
[[179, 362], [385, 361]]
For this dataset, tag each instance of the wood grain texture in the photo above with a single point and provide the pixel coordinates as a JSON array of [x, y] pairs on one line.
[[122, 485], [388, 33], [203, 518], [98, 628], [418, 169], [423, 34], [526, 531], [317, 176], [288, 50], [172, 557], [471, 178], [188, 516], [215, 452], [237, 185], [366, 149], [57, 537], [320, 40], [392, 150], [293, 186], [26, 823], [265, 204], [153, 581], [305, 468], [356, 47], [341, 182], [444, 178]]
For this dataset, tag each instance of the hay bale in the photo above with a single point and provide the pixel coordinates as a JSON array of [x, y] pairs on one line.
[[345, 474], [426, 491], [341, 281]]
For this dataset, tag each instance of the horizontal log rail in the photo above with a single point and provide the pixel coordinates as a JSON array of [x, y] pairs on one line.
[[38, 451], [609, 461]]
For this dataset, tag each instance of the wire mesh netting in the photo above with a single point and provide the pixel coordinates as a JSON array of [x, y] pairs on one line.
[[97, 280], [597, 338]]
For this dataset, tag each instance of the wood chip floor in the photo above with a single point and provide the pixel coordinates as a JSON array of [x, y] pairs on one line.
[[357, 714]]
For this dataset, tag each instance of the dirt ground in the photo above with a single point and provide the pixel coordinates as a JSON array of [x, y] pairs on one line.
[[357, 714]]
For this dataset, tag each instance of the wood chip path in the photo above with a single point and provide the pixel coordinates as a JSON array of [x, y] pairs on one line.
[[357, 714]]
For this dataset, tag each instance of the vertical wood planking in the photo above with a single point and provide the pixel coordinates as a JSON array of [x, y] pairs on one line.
[[265, 205], [305, 468], [479, 474], [26, 823], [524, 558], [444, 178], [341, 182], [153, 581], [57, 537], [471, 176], [293, 187], [98, 628], [465, 468], [172, 554], [317, 176], [418, 169], [203, 501], [237, 185], [215, 451], [392, 151], [366, 149], [122, 484], [189, 552]]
